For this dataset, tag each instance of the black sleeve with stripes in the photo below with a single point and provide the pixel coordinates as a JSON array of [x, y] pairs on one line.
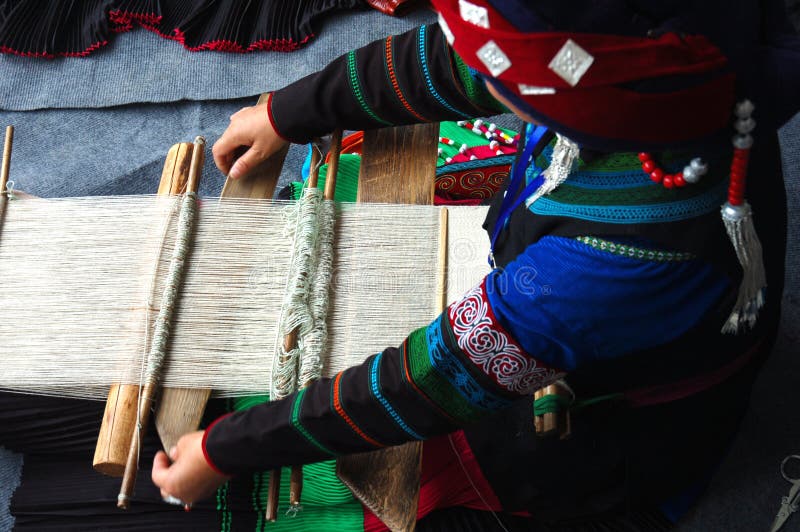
[[405, 79]]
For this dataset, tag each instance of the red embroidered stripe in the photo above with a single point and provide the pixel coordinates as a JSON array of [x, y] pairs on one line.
[[272, 119], [487, 344], [395, 84], [209, 461], [337, 405]]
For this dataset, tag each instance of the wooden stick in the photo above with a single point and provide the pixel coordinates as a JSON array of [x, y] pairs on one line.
[[550, 423], [442, 281], [147, 397], [296, 480], [289, 343], [538, 421], [6, 159], [122, 405], [333, 166]]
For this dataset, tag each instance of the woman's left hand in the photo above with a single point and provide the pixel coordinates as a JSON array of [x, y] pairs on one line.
[[185, 474]]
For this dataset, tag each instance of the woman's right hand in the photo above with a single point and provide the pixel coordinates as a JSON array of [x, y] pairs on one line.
[[250, 128]]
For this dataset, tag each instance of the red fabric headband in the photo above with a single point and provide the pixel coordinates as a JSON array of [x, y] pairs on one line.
[[572, 79]]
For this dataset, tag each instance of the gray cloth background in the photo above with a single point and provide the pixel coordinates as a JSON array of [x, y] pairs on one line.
[[88, 152], [10, 470], [140, 66]]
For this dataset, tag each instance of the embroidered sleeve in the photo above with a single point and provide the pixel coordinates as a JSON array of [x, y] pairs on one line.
[[460, 368], [404, 79], [561, 304]]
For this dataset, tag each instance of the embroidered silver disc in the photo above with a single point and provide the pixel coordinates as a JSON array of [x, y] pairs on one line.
[[473, 14], [494, 58], [571, 62]]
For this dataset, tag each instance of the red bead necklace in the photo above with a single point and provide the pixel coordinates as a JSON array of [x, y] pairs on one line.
[[691, 173]]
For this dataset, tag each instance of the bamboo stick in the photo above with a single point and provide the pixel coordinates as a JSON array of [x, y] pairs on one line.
[[6, 159], [148, 393]]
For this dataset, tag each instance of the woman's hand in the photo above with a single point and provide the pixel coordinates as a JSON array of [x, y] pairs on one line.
[[250, 127], [185, 474]]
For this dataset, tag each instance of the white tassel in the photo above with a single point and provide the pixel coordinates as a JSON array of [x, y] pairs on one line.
[[742, 233]]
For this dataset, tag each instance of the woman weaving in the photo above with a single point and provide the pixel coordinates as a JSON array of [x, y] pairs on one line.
[[618, 216], [639, 301]]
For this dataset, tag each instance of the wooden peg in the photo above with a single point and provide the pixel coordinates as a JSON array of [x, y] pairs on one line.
[[6, 164]]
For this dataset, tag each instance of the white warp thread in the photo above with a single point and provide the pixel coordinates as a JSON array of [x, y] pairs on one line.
[[313, 341], [295, 316], [77, 275], [169, 297]]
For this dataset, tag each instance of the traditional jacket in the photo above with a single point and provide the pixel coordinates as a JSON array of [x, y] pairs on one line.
[[613, 282]]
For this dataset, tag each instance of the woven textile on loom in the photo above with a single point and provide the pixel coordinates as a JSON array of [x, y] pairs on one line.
[[56, 28]]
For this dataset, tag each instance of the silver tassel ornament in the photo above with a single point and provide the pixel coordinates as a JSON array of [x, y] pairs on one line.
[[742, 233], [738, 219]]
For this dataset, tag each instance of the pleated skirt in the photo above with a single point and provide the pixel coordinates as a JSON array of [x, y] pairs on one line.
[[74, 28]]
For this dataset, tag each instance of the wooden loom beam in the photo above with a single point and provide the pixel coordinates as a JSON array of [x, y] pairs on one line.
[[399, 165]]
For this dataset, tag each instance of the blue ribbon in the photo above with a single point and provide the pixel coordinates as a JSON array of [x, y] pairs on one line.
[[533, 134]]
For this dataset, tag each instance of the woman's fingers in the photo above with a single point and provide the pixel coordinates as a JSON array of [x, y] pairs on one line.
[[249, 128], [161, 472], [224, 149], [244, 164], [186, 477]]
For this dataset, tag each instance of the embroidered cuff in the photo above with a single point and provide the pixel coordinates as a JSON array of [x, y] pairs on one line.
[[271, 118]]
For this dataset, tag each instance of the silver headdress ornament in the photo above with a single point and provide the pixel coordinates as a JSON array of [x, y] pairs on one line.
[[565, 153]]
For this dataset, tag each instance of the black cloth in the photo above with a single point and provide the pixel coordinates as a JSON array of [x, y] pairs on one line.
[[59, 490]]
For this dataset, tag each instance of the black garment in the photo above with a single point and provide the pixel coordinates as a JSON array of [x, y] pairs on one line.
[[619, 456], [404, 79]]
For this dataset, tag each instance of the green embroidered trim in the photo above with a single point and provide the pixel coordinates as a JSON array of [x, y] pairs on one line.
[[634, 196], [355, 84], [434, 385], [626, 162], [618, 161], [634, 252], [300, 428], [223, 508], [475, 89]]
